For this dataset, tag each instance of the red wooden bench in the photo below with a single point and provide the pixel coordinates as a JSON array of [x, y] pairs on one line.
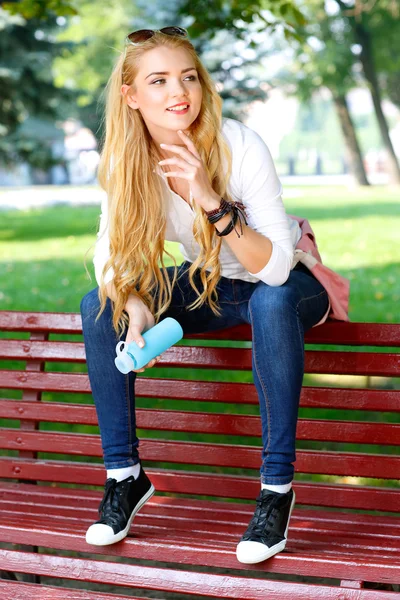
[[344, 537]]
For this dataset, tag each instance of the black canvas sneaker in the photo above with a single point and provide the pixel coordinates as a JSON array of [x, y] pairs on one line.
[[120, 503], [266, 534]]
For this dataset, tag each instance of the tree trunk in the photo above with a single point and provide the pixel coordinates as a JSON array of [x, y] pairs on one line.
[[350, 138], [363, 37]]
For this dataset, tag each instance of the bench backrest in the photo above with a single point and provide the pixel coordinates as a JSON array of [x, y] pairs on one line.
[[197, 413]]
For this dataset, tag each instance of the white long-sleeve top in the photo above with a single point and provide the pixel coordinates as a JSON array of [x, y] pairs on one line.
[[254, 182]]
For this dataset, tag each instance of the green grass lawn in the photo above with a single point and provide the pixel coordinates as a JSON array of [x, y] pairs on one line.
[[43, 250]]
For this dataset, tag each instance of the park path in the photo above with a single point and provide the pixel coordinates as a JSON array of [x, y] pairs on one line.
[[38, 196]]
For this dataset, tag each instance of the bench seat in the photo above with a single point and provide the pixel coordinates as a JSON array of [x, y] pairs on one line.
[[191, 532], [344, 535]]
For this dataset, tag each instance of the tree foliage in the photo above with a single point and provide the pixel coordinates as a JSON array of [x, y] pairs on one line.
[[232, 36], [27, 52], [47, 9]]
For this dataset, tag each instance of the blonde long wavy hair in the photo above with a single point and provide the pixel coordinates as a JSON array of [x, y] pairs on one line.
[[137, 213]]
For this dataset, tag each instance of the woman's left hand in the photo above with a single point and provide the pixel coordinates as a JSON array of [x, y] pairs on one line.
[[193, 170]]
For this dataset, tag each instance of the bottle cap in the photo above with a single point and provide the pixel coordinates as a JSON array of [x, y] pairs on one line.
[[124, 361]]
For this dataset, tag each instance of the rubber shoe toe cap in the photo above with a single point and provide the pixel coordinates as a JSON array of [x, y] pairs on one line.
[[100, 535], [249, 552]]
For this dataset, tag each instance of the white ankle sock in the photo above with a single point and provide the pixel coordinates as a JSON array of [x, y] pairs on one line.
[[281, 489], [120, 474]]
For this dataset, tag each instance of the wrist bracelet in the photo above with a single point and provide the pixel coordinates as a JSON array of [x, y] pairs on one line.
[[225, 208], [228, 228], [237, 212], [232, 225], [217, 214]]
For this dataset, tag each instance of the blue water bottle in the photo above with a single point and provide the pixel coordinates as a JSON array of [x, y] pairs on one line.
[[157, 339]]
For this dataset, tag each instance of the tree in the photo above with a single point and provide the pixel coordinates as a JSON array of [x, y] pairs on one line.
[[237, 16], [322, 60], [364, 26], [384, 27], [27, 50], [97, 37], [31, 9]]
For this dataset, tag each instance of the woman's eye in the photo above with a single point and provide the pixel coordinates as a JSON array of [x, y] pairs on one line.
[[193, 77]]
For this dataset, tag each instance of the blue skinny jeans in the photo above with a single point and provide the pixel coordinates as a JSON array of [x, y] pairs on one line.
[[278, 316]]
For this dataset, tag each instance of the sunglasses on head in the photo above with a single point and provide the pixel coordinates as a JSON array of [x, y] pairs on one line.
[[140, 36]]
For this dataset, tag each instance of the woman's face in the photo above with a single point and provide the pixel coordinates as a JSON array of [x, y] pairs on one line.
[[166, 77]]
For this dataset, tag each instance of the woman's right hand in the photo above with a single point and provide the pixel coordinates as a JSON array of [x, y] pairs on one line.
[[140, 320]]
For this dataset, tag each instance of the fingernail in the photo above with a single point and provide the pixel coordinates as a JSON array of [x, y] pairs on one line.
[[141, 344]]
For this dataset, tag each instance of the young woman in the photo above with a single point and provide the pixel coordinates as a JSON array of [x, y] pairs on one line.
[[174, 169]]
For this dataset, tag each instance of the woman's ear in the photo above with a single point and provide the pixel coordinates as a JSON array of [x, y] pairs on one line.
[[126, 91]]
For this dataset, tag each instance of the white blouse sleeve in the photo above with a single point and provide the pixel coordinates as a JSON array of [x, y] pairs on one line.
[[261, 193], [102, 247]]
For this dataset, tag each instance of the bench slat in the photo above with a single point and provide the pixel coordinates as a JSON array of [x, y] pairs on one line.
[[340, 544], [51, 382], [66, 501], [227, 486], [357, 334], [201, 422], [351, 399], [13, 590], [307, 531], [331, 332], [217, 518], [239, 359], [151, 578], [42, 350], [238, 393], [200, 453], [313, 564], [39, 321]]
